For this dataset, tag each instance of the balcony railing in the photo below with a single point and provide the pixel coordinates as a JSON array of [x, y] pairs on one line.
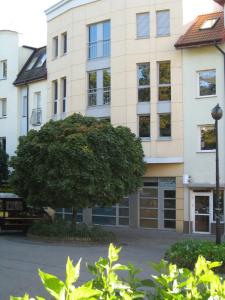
[[36, 117], [99, 49], [99, 96]]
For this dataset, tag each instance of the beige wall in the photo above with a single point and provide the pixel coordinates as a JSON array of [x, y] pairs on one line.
[[126, 52]]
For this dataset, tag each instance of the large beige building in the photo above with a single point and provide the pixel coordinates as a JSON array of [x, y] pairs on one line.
[[116, 59]]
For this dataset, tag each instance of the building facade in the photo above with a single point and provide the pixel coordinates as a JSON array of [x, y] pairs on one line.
[[202, 48]]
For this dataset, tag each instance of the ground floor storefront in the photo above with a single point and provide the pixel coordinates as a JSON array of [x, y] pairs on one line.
[[159, 204]]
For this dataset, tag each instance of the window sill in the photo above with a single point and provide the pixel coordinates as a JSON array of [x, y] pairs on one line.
[[161, 36], [145, 139], [164, 139], [206, 151], [3, 78], [143, 38], [203, 97], [64, 54], [3, 117]]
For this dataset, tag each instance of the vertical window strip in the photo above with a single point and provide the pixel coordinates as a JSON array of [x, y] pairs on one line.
[[55, 96], [64, 94], [164, 81], [163, 22], [144, 126], [143, 77]]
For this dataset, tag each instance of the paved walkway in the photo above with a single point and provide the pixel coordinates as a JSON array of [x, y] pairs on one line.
[[20, 258]]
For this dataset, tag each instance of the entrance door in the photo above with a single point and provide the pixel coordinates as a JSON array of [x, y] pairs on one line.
[[202, 206]]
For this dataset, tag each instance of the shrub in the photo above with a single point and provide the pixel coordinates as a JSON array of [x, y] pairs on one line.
[[64, 230], [185, 253], [172, 283]]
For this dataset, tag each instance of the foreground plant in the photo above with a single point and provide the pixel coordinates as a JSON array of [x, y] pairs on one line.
[[172, 283]]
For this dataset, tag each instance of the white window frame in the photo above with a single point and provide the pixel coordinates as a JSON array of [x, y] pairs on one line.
[[143, 86], [198, 84], [138, 35], [3, 108], [37, 100], [199, 150], [165, 138], [24, 106], [147, 139], [3, 69], [157, 25]]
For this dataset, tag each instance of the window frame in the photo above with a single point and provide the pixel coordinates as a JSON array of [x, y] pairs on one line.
[[55, 47], [163, 84], [55, 97], [144, 138], [200, 138], [3, 108], [64, 94], [3, 69], [64, 43], [147, 36], [143, 86], [198, 84], [164, 138], [169, 23]]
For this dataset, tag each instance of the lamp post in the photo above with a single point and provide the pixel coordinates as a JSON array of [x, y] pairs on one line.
[[217, 114]]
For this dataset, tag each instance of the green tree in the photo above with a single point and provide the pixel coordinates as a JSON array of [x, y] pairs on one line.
[[3, 166], [78, 162]]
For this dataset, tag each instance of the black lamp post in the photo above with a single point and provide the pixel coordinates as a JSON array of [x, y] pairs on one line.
[[217, 114]]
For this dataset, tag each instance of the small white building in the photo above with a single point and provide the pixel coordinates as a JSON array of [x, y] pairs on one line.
[[202, 49], [12, 58]]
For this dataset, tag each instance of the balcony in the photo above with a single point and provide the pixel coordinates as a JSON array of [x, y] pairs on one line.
[[36, 117], [99, 49], [99, 96]]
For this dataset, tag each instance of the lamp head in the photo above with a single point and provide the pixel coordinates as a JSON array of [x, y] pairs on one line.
[[217, 112]]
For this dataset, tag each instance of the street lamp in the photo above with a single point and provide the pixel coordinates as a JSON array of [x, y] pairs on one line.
[[217, 114]]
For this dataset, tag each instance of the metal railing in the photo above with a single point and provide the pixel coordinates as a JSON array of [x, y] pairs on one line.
[[99, 49], [36, 117]]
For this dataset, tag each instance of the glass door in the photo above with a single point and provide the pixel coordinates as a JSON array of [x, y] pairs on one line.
[[202, 212]]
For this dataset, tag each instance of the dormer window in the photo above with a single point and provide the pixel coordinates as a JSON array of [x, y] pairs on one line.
[[209, 24]]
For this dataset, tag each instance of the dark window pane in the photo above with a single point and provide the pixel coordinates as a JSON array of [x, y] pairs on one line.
[[164, 93], [124, 212], [149, 213], [202, 223], [150, 192], [103, 220], [92, 80], [144, 126], [164, 73], [106, 78], [170, 224], [144, 74], [208, 138], [151, 183], [165, 125], [124, 221], [149, 203], [170, 214], [207, 83], [202, 204], [169, 203], [144, 95], [108, 211], [169, 194], [124, 202], [149, 223]]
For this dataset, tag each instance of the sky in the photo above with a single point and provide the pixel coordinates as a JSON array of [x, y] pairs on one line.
[[26, 17]]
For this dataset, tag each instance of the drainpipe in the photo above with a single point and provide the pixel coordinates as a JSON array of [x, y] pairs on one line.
[[27, 86]]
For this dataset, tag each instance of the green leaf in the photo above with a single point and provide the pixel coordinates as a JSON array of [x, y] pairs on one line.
[[53, 285], [83, 292], [120, 267], [148, 283], [25, 297], [113, 253], [72, 272], [40, 298]]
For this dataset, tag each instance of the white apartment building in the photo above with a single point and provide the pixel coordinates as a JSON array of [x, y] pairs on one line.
[[117, 60], [202, 48]]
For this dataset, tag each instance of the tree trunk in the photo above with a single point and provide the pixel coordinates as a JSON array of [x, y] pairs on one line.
[[74, 216]]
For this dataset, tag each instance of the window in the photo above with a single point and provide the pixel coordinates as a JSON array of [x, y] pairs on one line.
[[31, 63], [64, 92], [143, 74], [99, 40], [41, 60], [64, 43], [165, 125], [3, 143], [207, 83], [67, 213], [164, 81], [144, 126], [209, 24], [3, 107], [55, 96], [99, 87], [55, 47], [24, 106], [143, 25], [163, 22], [36, 116], [207, 138], [3, 69]]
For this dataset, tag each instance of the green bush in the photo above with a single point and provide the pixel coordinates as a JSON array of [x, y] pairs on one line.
[[185, 253], [64, 230], [172, 283]]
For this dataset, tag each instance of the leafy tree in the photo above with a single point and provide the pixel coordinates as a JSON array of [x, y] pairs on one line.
[[3, 166], [78, 162]]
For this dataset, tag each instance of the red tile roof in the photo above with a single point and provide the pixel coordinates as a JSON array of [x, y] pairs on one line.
[[221, 2], [196, 37]]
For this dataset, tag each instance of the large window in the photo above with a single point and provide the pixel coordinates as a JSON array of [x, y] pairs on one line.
[[99, 87], [3, 69], [164, 81], [99, 40], [207, 83], [55, 96], [3, 108], [114, 215], [163, 22], [143, 25], [164, 125], [207, 138], [144, 126], [36, 116], [143, 75]]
